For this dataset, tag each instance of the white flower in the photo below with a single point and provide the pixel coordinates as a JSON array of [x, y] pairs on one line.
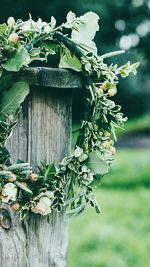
[[43, 206], [47, 28], [28, 25], [9, 192], [39, 26], [53, 22]]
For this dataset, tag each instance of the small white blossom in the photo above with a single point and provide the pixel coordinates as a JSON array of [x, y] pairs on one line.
[[9, 192]]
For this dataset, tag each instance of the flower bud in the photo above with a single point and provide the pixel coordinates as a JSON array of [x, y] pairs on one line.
[[15, 206], [11, 21], [12, 177], [112, 92], [33, 177], [13, 38]]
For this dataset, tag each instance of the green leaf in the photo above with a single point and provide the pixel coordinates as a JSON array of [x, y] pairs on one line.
[[68, 61], [50, 172], [50, 46], [17, 59], [78, 152], [86, 31], [4, 155], [96, 164], [3, 28], [14, 97], [5, 82]]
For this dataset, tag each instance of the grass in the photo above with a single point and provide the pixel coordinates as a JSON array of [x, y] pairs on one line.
[[119, 236], [130, 169], [139, 124]]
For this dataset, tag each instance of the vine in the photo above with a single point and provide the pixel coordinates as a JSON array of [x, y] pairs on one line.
[[68, 185]]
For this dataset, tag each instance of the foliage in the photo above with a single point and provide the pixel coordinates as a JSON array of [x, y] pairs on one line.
[[121, 22], [68, 185]]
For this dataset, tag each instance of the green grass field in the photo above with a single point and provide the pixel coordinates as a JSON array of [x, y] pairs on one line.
[[119, 236]]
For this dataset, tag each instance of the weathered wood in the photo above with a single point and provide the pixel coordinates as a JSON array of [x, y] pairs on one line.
[[43, 134], [51, 77]]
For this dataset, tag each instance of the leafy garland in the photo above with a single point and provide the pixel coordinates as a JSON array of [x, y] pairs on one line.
[[68, 186]]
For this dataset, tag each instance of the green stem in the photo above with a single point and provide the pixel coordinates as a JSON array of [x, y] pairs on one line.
[[75, 50]]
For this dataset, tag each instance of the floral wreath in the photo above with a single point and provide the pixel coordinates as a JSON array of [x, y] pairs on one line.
[[69, 185]]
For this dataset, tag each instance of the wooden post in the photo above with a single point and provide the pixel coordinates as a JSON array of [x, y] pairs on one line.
[[43, 134]]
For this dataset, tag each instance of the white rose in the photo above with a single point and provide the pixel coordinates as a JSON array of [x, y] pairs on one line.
[[9, 192], [43, 206]]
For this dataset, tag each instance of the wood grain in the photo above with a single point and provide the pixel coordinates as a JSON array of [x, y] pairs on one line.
[[51, 77], [43, 134]]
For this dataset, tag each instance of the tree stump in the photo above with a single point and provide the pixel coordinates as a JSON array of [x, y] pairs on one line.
[[43, 134]]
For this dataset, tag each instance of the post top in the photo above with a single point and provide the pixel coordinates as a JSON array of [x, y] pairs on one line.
[[51, 77]]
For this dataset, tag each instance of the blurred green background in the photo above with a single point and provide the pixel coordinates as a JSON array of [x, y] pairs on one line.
[[119, 236]]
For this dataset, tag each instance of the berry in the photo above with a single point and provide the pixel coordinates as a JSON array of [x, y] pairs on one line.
[[113, 151], [13, 38], [24, 184], [33, 177], [106, 145], [12, 177], [103, 88], [11, 21], [15, 206], [112, 92]]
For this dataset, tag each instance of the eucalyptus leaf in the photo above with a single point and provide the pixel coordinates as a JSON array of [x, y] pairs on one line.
[[17, 59], [14, 97], [96, 164]]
